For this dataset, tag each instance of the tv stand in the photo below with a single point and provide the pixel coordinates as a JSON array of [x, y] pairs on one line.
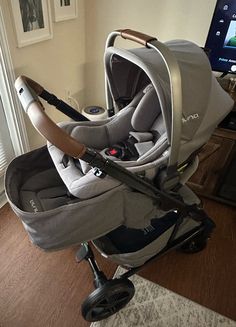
[[215, 177]]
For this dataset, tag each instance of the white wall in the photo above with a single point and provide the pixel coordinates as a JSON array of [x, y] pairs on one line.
[[57, 64], [73, 59], [164, 19]]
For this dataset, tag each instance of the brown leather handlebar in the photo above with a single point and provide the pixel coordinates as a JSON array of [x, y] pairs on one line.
[[43, 123], [38, 89], [136, 36]]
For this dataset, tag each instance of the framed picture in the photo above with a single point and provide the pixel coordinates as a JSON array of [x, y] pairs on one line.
[[32, 21], [65, 9]]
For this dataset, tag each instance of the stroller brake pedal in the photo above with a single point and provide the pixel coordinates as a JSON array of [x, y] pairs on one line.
[[84, 252]]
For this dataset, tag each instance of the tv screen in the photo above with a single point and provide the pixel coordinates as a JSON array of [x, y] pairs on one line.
[[221, 39]]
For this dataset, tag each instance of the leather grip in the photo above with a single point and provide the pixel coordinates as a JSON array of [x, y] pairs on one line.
[[45, 126], [38, 89], [136, 36]]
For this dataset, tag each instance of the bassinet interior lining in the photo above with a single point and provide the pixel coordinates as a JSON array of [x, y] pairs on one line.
[[44, 191]]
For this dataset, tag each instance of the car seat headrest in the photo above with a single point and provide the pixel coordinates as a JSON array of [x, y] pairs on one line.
[[147, 110]]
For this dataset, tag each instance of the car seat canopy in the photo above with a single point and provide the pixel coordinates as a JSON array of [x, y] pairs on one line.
[[200, 91]]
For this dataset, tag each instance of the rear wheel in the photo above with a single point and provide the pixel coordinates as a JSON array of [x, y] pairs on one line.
[[107, 299], [197, 244]]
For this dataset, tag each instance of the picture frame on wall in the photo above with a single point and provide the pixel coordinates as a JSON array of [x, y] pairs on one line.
[[32, 20], [65, 9]]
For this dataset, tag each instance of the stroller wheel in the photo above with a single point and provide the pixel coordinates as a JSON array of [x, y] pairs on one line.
[[107, 299], [195, 245]]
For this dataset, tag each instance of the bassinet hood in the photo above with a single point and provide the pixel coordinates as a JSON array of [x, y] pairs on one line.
[[201, 95]]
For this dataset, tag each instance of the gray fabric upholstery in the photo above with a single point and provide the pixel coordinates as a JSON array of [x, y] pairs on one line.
[[147, 111], [142, 137], [80, 185], [77, 220], [44, 191], [138, 258], [43, 200], [100, 137], [90, 185], [144, 147], [138, 122]]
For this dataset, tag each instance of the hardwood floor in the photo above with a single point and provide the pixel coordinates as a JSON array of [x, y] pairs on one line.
[[46, 289], [207, 277], [40, 289]]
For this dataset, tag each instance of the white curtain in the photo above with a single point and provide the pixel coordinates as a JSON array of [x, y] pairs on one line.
[[6, 148], [13, 136]]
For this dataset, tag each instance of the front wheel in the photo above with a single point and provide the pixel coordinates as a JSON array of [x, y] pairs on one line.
[[107, 299]]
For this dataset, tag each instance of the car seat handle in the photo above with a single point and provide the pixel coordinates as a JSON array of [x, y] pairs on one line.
[[135, 36], [28, 91], [174, 126]]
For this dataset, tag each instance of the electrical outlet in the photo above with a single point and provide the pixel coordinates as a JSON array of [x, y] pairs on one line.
[[67, 95], [71, 100]]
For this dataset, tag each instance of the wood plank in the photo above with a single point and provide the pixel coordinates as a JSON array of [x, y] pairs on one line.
[[207, 277], [40, 288]]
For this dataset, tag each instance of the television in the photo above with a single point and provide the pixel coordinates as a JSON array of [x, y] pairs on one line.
[[221, 40]]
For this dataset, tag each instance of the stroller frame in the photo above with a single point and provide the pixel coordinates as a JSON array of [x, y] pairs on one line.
[[103, 296], [110, 296]]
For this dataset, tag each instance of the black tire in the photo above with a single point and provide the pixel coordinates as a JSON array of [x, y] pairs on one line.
[[107, 299], [195, 245]]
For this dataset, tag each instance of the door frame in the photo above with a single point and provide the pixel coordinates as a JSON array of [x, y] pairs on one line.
[[14, 112]]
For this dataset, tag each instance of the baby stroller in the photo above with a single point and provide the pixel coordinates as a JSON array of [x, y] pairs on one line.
[[120, 182]]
